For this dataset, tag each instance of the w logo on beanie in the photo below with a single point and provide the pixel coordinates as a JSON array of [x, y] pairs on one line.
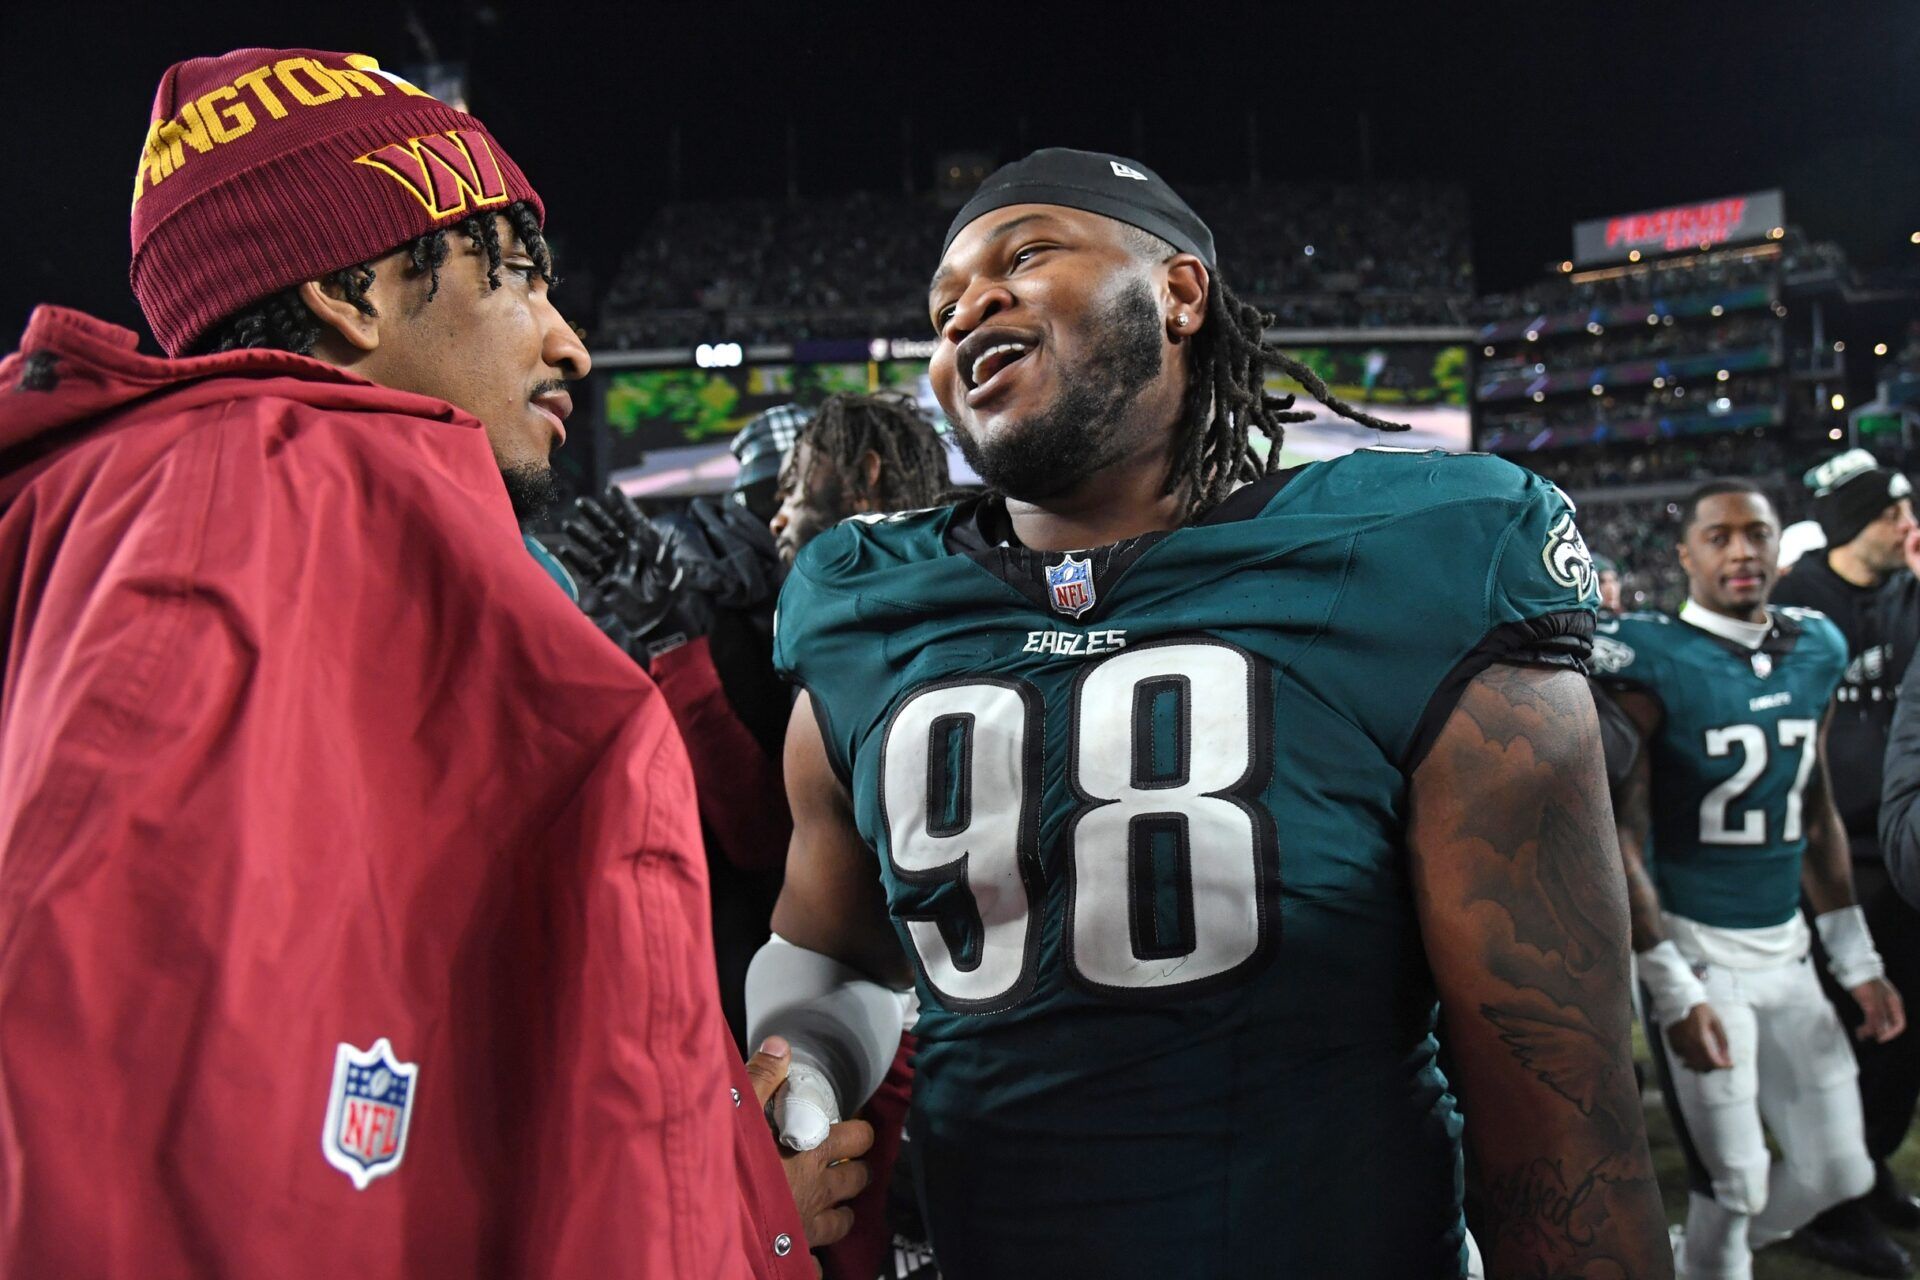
[[448, 173]]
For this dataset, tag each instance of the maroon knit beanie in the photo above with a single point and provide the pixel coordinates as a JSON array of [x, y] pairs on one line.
[[266, 167]]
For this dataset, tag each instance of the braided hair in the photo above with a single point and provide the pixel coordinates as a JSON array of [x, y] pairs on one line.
[[846, 427], [1227, 397], [282, 322]]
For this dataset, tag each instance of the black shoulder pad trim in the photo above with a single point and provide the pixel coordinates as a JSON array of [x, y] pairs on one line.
[[839, 766], [1553, 640]]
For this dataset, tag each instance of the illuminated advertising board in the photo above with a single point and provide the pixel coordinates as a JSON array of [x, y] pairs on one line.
[[1627, 237]]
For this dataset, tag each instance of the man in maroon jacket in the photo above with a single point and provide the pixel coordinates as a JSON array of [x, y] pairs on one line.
[[352, 907]]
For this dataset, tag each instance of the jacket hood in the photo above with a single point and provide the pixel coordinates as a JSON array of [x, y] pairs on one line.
[[71, 369]]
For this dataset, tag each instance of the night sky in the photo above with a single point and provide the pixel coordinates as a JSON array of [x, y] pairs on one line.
[[1546, 112]]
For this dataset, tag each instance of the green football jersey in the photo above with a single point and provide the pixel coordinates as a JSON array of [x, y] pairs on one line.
[[1139, 813], [1737, 744]]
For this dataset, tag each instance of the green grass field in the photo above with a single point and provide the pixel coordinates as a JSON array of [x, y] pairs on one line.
[[1780, 1262]]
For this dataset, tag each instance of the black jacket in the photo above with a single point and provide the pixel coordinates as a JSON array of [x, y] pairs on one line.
[[1900, 798], [1880, 624]]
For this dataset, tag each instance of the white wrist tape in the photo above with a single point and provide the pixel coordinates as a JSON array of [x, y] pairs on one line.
[[806, 1108], [1666, 973], [844, 1030], [1851, 956]]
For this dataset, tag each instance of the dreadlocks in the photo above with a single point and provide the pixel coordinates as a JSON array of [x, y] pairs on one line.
[[281, 321], [1227, 397], [846, 428]]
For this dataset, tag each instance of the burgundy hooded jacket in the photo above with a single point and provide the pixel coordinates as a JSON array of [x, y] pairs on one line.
[[352, 905]]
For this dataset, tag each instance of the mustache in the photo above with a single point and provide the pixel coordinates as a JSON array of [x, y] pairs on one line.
[[542, 388]]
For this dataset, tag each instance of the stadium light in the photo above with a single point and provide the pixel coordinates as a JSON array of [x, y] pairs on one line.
[[1566, 266], [1486, 351], [1915, 237], [1834, 434], [1839, 346], [718, 355], [1778, 233], [1538, 396], [1653, 319], [1722, 376], [1719, 310], [1308, 251], [1633, 255], [1599, 389], [1879, 348], [1659, 383], [1838, 402], [1533, 335]]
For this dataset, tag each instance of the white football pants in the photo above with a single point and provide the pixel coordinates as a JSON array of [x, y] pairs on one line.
[[1794, 1071]]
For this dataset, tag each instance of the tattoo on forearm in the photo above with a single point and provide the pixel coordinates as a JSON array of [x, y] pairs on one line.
[[1535, 867], [1543, 1201]]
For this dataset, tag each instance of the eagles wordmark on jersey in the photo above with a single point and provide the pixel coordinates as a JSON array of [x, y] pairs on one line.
[[1139, 813]]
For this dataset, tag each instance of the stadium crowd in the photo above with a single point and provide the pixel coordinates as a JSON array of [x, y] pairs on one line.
[[1634, 342], [854, 266]]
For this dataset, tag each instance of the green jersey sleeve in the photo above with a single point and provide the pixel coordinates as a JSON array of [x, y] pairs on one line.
[[1629, 652], [1543, 565], [1500, 574]]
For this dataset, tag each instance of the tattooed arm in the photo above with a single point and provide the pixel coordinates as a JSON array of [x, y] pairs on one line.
[[1523, 909]]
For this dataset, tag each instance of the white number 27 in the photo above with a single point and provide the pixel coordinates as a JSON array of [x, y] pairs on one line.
[[1715, 827]]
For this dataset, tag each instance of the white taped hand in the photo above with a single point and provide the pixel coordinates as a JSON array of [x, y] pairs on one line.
[[806, 1108]]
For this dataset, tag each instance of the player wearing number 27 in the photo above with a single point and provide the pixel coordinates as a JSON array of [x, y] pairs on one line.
[[1185, 788], [1725, 821]]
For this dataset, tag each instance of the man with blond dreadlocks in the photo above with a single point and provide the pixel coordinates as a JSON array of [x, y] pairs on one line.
[[1192, 795]]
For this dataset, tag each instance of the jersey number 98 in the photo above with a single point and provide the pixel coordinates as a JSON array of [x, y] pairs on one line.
[[1170, 860]]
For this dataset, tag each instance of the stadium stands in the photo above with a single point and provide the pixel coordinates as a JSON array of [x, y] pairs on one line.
[[1317, 254]]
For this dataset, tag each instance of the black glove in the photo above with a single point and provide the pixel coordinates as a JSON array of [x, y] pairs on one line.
[[637, 588], [741, 566]]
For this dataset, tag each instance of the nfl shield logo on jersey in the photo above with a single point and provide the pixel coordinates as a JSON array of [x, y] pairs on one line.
[[1070, 583], [368, 1110], [1762, 665]]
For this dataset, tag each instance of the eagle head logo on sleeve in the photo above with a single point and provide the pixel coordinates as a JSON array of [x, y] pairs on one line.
[[368, 1110], [1568, 561]]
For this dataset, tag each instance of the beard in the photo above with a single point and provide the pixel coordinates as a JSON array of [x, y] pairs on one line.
[[1077, 434], [531, 488]]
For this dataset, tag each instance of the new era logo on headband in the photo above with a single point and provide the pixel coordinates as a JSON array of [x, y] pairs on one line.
[[449, 172], [1122, 171]]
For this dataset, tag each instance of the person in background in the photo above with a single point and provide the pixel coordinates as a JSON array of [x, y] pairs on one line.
[[1607, 578], [760, 447], [1725, 822], [1796, 540], [322, 813], [1865, 513], [860, 454]]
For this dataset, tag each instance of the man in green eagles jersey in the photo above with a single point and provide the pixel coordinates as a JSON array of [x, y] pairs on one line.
[[1726, 819], [1192, 795]]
